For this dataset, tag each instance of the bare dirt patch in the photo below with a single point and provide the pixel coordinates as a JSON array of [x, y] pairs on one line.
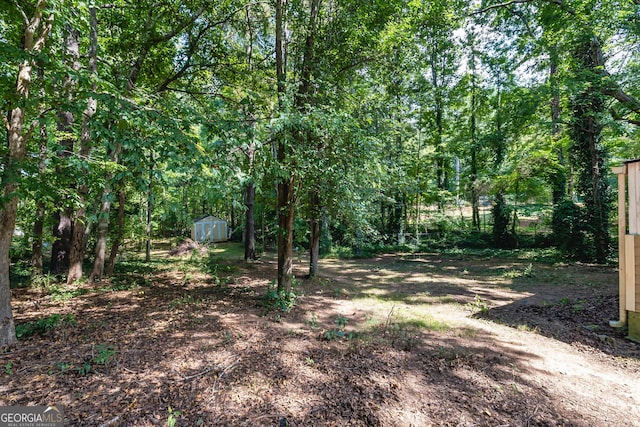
[[412, 340]]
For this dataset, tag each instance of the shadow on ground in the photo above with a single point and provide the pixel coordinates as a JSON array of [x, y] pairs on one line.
[[197, 347]]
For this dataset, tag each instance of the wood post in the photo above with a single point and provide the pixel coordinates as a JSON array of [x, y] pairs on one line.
[[622, 231]]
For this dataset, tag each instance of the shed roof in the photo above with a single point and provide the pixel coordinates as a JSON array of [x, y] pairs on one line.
[[201, 218]]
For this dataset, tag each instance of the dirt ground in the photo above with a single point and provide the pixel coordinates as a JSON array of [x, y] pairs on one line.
[[415, 340]]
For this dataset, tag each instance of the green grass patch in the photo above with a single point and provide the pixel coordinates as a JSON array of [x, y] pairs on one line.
[[43, 325], [404, 331], [228, 251]]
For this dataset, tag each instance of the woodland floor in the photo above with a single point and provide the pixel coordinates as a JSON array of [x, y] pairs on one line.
[[413, 340]]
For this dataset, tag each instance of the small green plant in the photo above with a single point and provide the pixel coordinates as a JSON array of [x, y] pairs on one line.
[[528, 271], [313, 323], [339, 332], [282, 301], [448, 354], [184, 300], [43, 282], [479, 305], [8, 368], [579, 306], [43, 325], [62, 367], [57, 291], [341, 321], [85, 368], [173, 416], [104, 354]]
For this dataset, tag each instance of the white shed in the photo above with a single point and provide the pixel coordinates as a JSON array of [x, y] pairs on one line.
[[210, 229]]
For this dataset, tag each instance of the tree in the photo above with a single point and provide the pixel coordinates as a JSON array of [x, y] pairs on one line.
[[588, 153], [77, 246], [285, 187], [34, 37]]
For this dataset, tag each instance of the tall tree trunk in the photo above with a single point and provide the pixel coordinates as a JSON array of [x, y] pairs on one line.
[[150, 208], [314, 225], [441, 166], [590, 155], [150, 40], [102, 230], [559, 184], [475, 198], [250, 222], [286, 208], [17, 139], [38, 224], [285, 187], [250, 187], [62, 231], [302, 104], [115, 245], [398, 214], [77, 249], [63, 223]]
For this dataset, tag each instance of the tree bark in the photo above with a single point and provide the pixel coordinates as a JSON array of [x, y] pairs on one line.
[[559, 186], [589, 154], [63, 223], [475, 198], [250, 187], [150, 208], [62, 231], [286, 208], [314, 244], [285, 185], [38, 224], [102, 229], [77, 248], [441, 166], [101, 234], [115, 245], [17, 139], [250, 222]]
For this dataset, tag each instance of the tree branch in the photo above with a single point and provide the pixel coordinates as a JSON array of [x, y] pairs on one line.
[[193, 44], [613, 89], [44, 34], [35, 123], [184, 24], [497, 6], [25, 19], [618, 117], [560, 3]]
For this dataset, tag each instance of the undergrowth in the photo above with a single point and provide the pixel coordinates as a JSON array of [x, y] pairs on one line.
[[274, 300], [43, 325]]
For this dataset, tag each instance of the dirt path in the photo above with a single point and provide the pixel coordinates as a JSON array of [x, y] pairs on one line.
[[395, 341], [593, 378]]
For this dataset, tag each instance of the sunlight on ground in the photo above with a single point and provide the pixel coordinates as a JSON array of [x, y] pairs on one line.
[[227, 250]]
